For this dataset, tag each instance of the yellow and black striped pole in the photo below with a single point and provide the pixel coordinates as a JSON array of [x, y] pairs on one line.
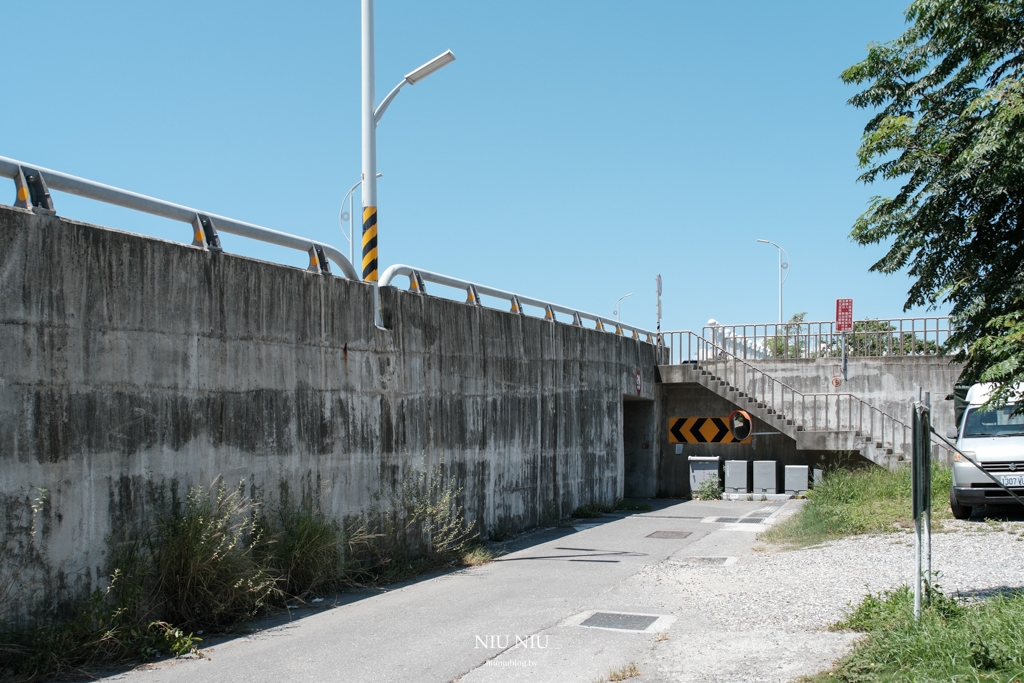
[[370, 243]]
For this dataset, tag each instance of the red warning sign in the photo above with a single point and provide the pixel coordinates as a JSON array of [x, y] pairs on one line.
[[844, 315]]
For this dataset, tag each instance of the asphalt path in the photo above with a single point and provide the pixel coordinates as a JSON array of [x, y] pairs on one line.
[[520, 617]]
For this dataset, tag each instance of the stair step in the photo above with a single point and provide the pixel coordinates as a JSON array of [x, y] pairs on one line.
[[879, 444], [742, 394], [888, 451], [789, 422]]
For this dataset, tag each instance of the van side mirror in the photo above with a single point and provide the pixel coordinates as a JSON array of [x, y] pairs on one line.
[[951, 433]]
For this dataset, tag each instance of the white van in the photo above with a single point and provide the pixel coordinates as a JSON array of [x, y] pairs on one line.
[[995, 439]]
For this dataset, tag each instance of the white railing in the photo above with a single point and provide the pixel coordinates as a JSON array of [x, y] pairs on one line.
[[882, 337], [32, 191], [419, 277], [812, 412]]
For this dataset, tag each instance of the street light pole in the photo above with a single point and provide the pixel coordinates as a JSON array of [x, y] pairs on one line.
[[370, 118], [369, 176], [348, 216], [618, 307], [783, 266]]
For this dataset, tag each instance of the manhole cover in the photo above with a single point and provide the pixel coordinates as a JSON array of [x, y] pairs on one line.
[[752, 520], [622, 622], [669, 534], [710, 560]]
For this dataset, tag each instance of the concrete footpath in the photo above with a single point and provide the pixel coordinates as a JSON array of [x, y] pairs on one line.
[[565, 605]]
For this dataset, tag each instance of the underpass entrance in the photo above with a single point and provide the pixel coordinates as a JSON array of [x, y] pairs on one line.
[[639, 439]]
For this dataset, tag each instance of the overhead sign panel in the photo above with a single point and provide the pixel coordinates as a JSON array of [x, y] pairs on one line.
[[704, 430]]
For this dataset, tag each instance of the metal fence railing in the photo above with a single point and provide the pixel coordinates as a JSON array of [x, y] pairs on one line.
[[32, 191], [810, 411], [882, 337], [419, 277]]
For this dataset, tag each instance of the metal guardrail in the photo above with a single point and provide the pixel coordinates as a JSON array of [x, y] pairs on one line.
[[811, 412], [33, 185], [881, 337], [419, 277]]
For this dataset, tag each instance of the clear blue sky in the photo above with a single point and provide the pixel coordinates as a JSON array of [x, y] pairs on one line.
[[573, 151]]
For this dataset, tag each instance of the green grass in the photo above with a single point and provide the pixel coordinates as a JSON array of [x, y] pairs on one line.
[[861, 501], [217, 558], [592, 510], [953, 641]]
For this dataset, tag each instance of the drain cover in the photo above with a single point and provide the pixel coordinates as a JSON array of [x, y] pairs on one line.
[[752, 520], [727, 520], [669, 534], [710, 560], [622, 622]]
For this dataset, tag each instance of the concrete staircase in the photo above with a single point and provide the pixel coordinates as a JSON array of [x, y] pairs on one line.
[[807, 433]]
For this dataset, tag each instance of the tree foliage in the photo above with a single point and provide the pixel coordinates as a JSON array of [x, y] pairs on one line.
[[949, 126]]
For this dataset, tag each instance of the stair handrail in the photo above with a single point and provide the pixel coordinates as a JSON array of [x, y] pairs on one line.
[[721, 354]]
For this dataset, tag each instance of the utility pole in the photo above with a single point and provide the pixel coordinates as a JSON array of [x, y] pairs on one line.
[[369, 175]]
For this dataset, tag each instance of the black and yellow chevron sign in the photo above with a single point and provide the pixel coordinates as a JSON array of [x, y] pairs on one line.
[[702, 430]]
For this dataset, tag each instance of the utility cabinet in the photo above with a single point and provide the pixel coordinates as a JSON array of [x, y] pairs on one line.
[[701, 469], [796, 479], [765, 479], [736, 476]]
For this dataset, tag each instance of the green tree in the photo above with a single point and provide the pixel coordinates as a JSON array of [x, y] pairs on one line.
[[881, 338], [949, 125], [789, 340]]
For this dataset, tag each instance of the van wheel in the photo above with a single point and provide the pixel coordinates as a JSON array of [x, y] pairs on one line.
[[959, 511]]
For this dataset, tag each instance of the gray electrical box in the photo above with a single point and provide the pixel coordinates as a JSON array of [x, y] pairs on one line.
[[765, 479], [736, 476], [818, 476], [701, 468], [796, 479]]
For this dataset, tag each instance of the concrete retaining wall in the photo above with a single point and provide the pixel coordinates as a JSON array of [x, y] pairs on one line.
[[889, 384], [131, 367], [694, 400]]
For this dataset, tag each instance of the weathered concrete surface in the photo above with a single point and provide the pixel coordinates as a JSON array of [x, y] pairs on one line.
[[694, 400], [132, 367], [888, 383]]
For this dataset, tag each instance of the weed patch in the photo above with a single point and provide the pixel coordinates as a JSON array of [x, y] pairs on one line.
[[631, 506], [207, 572], [709, 489], [217, 559], [304, 550], [591, 510], [861, 501], [623, 673], [478, 555], [953, 640]]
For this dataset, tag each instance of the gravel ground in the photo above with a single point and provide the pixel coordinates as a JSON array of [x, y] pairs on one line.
[[765, 618]]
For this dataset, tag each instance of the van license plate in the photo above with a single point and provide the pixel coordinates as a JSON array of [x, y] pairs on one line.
[[1015, 480]]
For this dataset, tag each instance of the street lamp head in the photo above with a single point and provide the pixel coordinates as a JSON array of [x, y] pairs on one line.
[[764, 241], [430, 67]]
